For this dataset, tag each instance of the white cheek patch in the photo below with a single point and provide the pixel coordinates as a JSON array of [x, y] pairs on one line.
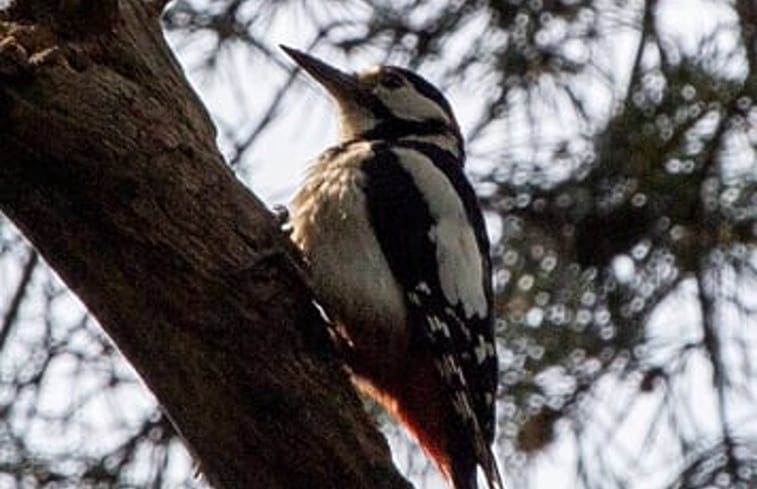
[[457, 253], [406, 103]]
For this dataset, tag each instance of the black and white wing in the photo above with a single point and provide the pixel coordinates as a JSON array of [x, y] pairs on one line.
[[431, 230]]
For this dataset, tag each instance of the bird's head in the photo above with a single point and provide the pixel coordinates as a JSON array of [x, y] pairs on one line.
[[385, 102]]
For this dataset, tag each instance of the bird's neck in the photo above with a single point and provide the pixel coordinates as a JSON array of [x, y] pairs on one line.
[[430, 133], [449, 143]]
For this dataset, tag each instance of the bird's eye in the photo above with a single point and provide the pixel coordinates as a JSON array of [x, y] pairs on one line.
[[391, 80]]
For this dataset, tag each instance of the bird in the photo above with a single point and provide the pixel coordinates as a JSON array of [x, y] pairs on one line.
[[396, 244]]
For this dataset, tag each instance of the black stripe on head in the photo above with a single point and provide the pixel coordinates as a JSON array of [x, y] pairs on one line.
[[393, 128]]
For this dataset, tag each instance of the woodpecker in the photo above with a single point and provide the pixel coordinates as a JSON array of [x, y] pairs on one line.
[[399, 254]]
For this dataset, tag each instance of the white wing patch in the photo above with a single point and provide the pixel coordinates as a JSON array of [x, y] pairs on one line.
[[484, 350], [460, 265], [457, 253]]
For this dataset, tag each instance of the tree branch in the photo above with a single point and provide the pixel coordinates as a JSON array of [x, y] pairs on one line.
[[109, 168]]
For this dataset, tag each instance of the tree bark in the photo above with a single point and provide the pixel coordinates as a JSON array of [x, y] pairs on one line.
[[108, 165]]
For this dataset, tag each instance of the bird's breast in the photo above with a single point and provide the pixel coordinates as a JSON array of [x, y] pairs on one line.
[[353, 279]]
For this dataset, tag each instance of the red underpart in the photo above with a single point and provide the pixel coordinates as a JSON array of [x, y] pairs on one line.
[[416, 397]]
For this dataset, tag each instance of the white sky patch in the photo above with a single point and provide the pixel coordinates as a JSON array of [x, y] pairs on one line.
[[623, 268]]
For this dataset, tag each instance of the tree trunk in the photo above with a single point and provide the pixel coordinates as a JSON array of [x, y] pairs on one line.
[[108, 165]]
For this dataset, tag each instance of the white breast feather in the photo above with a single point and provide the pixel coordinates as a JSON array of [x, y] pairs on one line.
[[331, 225]]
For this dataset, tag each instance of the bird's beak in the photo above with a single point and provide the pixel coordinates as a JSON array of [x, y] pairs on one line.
[[342, 86]]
